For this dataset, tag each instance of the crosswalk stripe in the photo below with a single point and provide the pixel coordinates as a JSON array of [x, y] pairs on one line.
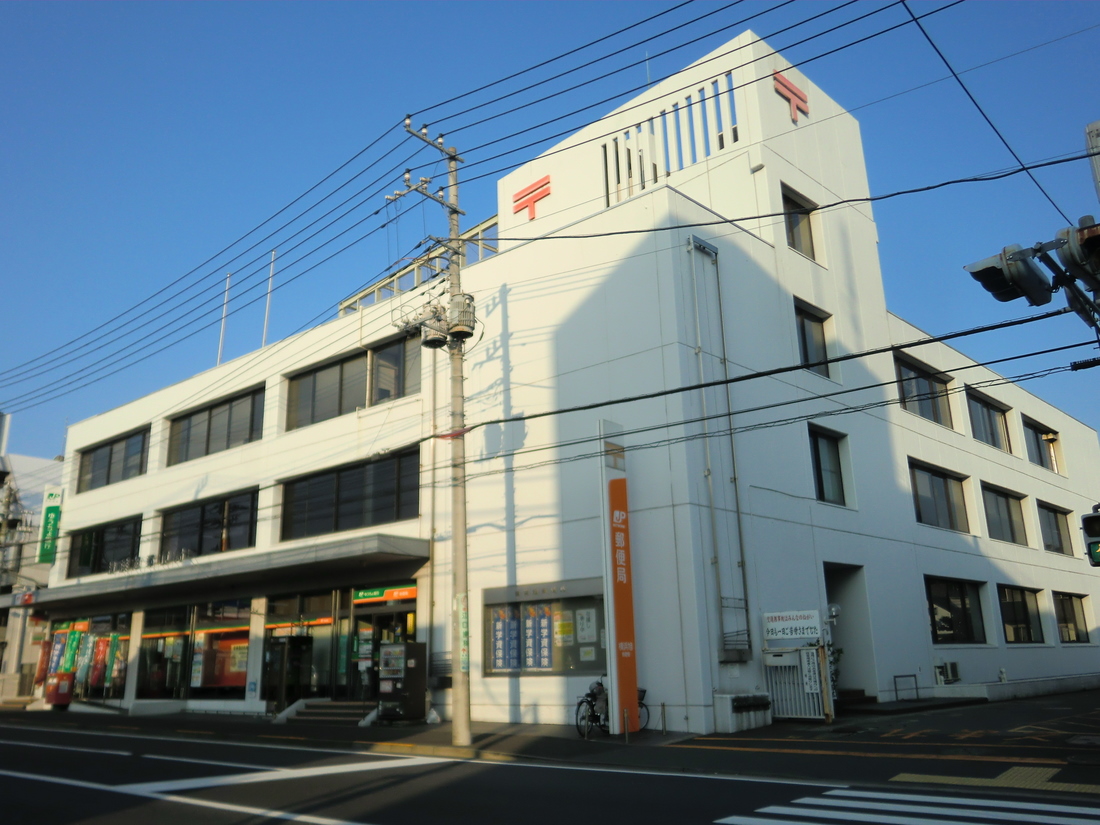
[[947, 810], [903, 809], [854, 816], [1015, 805]]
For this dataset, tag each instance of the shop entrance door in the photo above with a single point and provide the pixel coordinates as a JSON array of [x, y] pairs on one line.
[[371, 631], [288, 668]]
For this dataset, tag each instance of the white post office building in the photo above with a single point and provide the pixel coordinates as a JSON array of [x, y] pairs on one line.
[[901, 523]]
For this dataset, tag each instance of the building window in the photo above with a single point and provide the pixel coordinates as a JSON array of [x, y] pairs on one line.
[[811, 340], [988, 422], [1040, 443], [1020, 615], [116, 460], [938, 498], [217, 427], [923, 393], [337, 389], [211, 527], [1004, 515], [361, 495], [1069, 610], [1055, 528], [333, 390], [828, 478], [109, 548], [955, 611], [395, 370], [796, 212]]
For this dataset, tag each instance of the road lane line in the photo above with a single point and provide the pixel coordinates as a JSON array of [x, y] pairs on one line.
[[288, 816], [205, 742], [1015, 804], [1029, 760], [269, 775], [64, 748], [57, 780], [309, 819], [213, 762]]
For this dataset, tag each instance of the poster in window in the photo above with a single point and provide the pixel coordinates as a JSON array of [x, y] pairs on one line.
[[504, 632], [537, 638], [238, 658], [586, 626], [563, 628]]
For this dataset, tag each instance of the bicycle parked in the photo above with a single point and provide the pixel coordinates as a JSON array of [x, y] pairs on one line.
[[592, 710]]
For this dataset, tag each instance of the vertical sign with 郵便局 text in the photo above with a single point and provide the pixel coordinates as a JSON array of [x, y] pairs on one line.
[[622, 599]]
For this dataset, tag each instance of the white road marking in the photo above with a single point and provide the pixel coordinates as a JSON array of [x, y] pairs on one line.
[[944, 809], [63, 747], [212, 762], [269, 775], [202, 803], [310, 819], [1015, 805], [192, 741], [873, 807]]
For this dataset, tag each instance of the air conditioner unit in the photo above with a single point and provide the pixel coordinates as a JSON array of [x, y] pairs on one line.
[[947, 673]]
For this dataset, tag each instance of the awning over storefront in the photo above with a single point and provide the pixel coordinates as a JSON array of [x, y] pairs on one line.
[[349, 562]]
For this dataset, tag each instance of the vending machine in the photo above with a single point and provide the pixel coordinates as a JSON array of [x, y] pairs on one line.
[[402, 681]]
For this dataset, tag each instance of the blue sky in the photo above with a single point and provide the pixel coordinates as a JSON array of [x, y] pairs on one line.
[[141, 139]]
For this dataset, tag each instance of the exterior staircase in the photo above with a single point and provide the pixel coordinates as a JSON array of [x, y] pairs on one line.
[[347, 714]]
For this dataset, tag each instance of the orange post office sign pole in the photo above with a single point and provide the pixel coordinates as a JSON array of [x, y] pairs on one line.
[[622, 596]]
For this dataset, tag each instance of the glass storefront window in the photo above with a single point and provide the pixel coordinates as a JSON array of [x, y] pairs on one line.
[[102, 653], [219, 657], [165, 654]]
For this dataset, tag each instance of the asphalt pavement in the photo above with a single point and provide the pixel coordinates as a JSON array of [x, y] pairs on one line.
[[1047, 743]]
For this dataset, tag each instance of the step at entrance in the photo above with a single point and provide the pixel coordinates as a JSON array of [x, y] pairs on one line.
[[332, 713]]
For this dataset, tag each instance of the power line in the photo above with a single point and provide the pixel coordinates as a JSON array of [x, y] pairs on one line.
[[986, 178], [981, 111]]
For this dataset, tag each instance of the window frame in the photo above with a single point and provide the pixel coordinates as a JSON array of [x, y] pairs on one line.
[[226, 531], [323, 503], [823, 490], [967, 626], [97, 562], [1079, 623], [1007, 526], [1061, 521], [798, 222], [181, 427], [810, 324], [928, 401], [953, 497], [988, 421], [358, 390], [1039, 443], [115, 467], [1024, 603]]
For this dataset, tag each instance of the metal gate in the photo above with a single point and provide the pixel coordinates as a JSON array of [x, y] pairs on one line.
[[799, 684]]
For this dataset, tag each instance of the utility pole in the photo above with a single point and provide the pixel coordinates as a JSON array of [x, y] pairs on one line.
[[453, 328]]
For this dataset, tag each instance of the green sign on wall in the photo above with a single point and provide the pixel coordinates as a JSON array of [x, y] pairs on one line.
[[51, 525]]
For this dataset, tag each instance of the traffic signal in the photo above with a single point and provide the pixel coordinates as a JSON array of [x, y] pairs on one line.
[[1081, 253], [1012, 275], [1090, 524]]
